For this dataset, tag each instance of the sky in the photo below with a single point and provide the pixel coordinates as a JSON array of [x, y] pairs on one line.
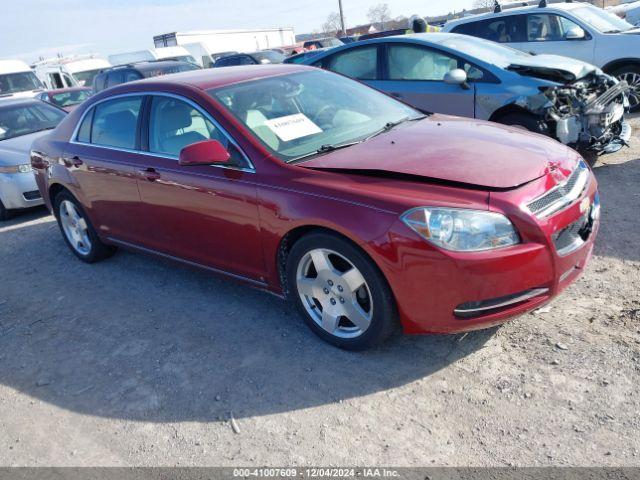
[[33, 28]]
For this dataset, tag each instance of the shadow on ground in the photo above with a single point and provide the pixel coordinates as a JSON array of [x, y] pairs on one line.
[[137, 338]]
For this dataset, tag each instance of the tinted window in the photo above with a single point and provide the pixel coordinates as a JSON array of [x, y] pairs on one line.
[[410, 62], [131, 76], [115, 78], [18, 82], [547, 27], [174, 124], [500, 29], [465, 29], [360, 63], [84, 132], [115, 122]]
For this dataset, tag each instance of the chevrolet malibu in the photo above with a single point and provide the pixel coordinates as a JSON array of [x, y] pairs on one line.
[[361, 210]]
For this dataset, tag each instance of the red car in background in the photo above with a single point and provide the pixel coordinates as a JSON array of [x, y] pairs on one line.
[[66, 98], [363, 211]]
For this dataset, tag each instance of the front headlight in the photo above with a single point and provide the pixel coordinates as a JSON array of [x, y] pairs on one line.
[[26, 168], [461, 230]]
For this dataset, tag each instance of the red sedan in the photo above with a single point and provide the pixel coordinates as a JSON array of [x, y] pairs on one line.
[[363, 211]]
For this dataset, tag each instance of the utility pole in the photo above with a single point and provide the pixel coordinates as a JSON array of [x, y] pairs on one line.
[[344, 31]]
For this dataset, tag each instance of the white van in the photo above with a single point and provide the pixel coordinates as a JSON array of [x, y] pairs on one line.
[[152, 54], [18, 80], [70, 71]]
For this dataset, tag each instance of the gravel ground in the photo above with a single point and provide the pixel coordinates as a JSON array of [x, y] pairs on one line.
[[135, 361]]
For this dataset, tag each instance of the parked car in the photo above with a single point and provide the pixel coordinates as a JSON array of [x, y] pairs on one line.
[[71, 71], [17, 80], [629, 11], [130, 73], [66, 98], [328, 42], [357, 207], [21, 122], [255, 58], [174, 53], [576, 30], [563, 98]]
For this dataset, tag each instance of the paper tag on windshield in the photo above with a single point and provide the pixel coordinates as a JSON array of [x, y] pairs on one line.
[[292, 127]]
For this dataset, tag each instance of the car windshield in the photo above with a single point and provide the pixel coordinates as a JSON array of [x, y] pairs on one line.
[[18, 82], [489, 52], [86, 78], [269, 56], [601, 20], [67, 99], [17, 120], [301, 114]]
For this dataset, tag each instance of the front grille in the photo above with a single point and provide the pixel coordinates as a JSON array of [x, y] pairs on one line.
[[561, 195], [33, 195]]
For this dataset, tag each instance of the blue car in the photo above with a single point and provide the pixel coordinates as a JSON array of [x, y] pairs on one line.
[[569, 100]]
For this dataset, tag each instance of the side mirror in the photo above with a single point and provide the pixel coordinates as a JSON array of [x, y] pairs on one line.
[[457, 76], [206, 152], [575, 33]]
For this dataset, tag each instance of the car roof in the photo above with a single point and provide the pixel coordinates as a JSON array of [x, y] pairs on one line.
[[565, 6], [220, 77]]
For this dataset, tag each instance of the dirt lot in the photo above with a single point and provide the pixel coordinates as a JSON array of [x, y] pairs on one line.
[[139, 362]]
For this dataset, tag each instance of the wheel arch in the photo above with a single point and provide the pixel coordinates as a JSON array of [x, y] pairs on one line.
[[621, 62], [296, 233], [507, 110]]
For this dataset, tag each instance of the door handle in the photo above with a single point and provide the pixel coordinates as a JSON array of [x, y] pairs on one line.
[[150, 174]]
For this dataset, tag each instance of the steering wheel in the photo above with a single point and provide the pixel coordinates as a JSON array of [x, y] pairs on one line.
[[324, 111]]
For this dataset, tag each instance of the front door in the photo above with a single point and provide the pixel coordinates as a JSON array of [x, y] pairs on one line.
[[415, 74], [207, 215]]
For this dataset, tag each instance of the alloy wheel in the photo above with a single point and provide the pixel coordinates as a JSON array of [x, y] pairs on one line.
[[75, 228], [633, 80], [334, 293]]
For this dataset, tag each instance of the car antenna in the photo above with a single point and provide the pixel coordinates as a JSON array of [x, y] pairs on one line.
[[497, 8]]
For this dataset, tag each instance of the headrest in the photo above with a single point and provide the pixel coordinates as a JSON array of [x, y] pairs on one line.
[[174, 117]]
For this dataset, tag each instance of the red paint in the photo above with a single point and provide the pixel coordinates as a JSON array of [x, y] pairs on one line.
[[234, 221]]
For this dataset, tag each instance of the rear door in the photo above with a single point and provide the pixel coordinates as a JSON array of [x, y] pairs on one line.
[[415, 74], [103, 159]]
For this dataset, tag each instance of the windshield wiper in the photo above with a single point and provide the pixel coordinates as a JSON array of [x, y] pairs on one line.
[[391, 125]]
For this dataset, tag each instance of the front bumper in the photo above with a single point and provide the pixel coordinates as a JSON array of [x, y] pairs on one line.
[[620, 141], [449, 292], [19, 190]]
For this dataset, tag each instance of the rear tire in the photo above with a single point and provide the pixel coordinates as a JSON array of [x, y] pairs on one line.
[[526, 121], [342, 295], [631, 75], [77, 231]]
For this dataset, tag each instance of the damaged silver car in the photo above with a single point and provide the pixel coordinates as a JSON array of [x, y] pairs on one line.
[[569, 100]]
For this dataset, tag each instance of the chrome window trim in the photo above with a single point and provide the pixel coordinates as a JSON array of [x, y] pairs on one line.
[[74, 136]]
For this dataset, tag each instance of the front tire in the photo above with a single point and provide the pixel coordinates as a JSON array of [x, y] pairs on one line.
[[340, 292], [77, 231], [4, 213], [631, 75]]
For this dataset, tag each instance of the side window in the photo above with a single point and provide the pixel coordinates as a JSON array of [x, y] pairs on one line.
[[174, 124], [56, 80], [473, 73], [246, 60], [67, 80], [115, 123], [502, 29], [84, 132], [466, 29], [546, 27], [114, 78], [131, 76], [412, 62], [360, 63]]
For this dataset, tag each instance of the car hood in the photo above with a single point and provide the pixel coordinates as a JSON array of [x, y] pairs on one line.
[[15, 151], [452, 150], [552, 67]]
